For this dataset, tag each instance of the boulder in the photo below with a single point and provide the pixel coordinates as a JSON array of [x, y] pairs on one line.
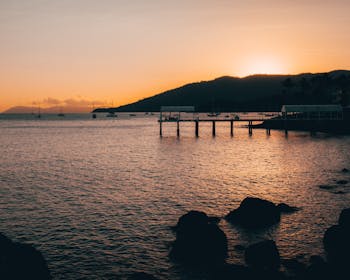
[[254, 213], [336, 243], [263, 255], [21, 261], [239, 247], [344, 218], [191, 221], [336, 240], [294, 268], [318, 269], [232, 271], [198, 241]]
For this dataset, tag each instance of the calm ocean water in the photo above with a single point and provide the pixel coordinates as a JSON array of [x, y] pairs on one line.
[[98, 196]]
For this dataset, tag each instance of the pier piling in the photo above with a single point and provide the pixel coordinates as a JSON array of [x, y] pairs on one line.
[[250, 127], [197, 128], [231, 123], [214, 128]]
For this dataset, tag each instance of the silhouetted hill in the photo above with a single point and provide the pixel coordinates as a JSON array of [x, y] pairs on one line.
[[252, 93]]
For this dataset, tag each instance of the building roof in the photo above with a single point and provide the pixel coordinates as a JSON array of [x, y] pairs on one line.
[[312, 108]]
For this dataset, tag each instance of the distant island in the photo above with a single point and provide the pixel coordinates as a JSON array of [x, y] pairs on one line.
[[252, 93]]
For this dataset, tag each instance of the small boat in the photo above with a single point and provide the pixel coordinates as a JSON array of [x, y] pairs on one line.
[[60, 114], [111, 115], [39, 113], [213, 114], [172, 118]]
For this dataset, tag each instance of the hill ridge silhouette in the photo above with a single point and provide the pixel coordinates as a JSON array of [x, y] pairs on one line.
[[259, 92]]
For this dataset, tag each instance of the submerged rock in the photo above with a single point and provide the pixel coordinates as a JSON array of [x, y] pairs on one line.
[[263, 255], [327, 187], [342, 182], [21, 261], [198, 241], [285, 208], [255, 213], [339, 192]]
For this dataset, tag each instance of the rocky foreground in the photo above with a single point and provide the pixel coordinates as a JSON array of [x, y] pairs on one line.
[[21, 261], [200, 243]]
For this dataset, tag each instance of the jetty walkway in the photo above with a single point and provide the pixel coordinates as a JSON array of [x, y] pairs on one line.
[[186, 114]]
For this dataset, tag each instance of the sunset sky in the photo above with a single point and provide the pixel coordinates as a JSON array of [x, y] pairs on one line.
[[112, 52]]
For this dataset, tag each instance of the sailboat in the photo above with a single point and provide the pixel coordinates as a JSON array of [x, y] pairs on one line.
[[60, 114], [111, 114], [39, 113]]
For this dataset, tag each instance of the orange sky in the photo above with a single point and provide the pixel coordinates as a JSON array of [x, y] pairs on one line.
[[118, 51]]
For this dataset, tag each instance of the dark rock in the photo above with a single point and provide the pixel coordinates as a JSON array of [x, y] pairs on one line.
[[326, 187], [214, 220], [339, 192], [344, 218], [191, 221], [318, 269], [232, 271], [294, 267], [21, 261], [293, 264], [342, 182], [263, 255], [198, 241], [239, 247], [285, 208], [336, 242], [345, 170], [316, 260], [240, 272], [254, 213], [141, 276]]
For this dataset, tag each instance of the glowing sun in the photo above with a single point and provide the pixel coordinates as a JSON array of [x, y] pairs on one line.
[[262, 66]]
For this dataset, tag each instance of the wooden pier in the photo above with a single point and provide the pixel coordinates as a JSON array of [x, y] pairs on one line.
[[172, 114], [213, 122]]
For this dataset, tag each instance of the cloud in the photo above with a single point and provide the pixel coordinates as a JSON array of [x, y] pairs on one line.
[[52, 101], [69, 102], [81, 102]]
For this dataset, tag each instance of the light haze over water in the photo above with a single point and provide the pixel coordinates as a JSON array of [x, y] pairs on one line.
[[98, 196]]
